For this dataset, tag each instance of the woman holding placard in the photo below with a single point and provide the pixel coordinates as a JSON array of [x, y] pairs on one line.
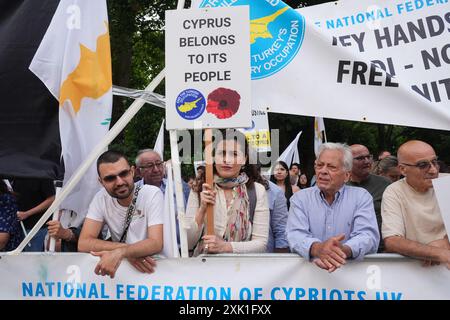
[[241, 213]]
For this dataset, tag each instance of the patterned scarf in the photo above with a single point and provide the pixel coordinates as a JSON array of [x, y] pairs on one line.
[[239, 227]]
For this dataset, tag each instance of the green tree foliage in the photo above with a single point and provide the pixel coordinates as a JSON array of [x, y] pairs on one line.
[[137, 45]]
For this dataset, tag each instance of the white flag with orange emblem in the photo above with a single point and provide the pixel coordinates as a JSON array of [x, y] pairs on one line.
[[74, 62]]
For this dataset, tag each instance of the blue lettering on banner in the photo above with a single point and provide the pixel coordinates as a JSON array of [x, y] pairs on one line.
[[157, 292], [93, 292], [358, 18], [64, 290], [374, 14], [71, 290], [276, 34], [289, 293], [414, 5]]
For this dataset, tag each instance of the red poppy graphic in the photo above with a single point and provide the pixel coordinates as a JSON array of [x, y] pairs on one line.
[[223, 103]]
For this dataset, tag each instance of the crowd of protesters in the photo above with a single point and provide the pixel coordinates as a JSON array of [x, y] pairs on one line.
[[353, 206]]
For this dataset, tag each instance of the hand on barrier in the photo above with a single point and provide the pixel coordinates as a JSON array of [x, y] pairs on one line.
[[440, 243], [109, 262], [329, 255], [144, 265]]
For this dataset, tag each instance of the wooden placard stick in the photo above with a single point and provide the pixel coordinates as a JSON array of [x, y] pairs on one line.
[[209, 180]]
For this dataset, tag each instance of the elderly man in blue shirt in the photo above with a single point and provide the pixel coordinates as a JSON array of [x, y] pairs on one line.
[[332, 222]]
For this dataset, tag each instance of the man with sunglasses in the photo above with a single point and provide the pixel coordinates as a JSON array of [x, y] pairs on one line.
[[133, 216], [361, 177], [412, 222]]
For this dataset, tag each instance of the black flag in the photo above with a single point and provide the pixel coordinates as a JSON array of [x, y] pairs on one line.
[[29, 130]]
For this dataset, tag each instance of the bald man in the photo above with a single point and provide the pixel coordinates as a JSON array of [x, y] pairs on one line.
[[412, 222], [361, 177]]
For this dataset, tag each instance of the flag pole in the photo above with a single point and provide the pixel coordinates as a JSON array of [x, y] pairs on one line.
[[173, 227], [180, 4], [92, 157], [24, 231], [179, 196], [58, 185], [209, 180]]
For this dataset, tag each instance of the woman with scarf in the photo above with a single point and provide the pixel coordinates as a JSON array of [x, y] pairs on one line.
[[236, 228]]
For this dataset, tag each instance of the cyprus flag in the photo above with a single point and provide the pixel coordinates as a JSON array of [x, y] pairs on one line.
[[74, 62]]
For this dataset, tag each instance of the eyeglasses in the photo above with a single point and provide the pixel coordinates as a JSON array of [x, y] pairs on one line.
[[424, 165], [362, 158], [151, 165], [122, 174]]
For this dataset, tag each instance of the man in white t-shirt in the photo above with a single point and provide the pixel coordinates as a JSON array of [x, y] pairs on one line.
[[412, 222], [110, 206]]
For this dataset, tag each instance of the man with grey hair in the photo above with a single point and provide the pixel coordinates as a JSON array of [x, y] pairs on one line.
[[332, 222], [150, 167], [388, 168], [361, 177]]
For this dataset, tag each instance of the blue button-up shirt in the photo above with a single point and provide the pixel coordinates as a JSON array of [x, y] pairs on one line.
[[278, 218], [311, 219]]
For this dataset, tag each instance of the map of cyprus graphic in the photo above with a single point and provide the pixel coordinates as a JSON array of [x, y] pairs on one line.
[[259, 28]]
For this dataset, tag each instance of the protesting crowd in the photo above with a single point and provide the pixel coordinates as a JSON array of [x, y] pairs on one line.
[[353, 206]]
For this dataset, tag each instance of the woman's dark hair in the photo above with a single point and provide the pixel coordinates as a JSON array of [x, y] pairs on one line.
[[307, 182], [3, 187], [250, 169], [287, 181]]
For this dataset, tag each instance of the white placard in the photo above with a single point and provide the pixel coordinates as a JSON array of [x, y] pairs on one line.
[[442, 190], [208, 68]]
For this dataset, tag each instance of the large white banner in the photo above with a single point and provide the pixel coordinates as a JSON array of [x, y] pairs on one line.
[[263, 277], [365, 60]]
